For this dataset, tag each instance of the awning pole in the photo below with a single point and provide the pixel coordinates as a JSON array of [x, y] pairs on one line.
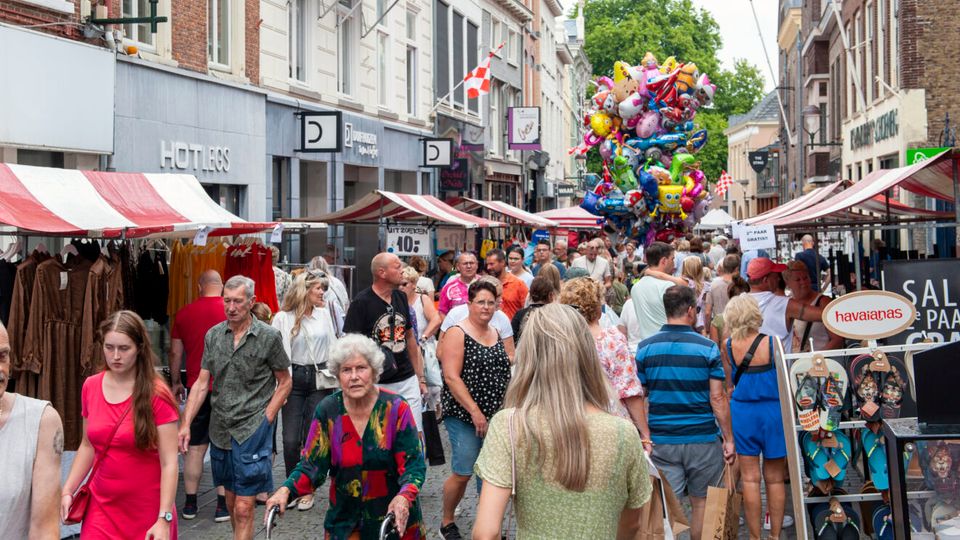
[[381, 233]]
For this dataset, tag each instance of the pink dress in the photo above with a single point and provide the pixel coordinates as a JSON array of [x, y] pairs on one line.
[[125, 494], [620, 368]]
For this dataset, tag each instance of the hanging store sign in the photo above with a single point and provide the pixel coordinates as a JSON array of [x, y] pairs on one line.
[[758, 159], [320, 131], [523, 125], [406, 240], [933, 287], [879, 129], [437, 153], [456, 177], [869, 315], [566, 190]]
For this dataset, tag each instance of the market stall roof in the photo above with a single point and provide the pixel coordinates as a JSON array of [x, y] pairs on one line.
[[573, 217], [717, 218], [511, 213], [389, 206], [930, 178], [796, 205], [110, 204]]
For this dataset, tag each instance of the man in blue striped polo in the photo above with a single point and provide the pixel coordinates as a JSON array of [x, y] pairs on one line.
[[687, 431]]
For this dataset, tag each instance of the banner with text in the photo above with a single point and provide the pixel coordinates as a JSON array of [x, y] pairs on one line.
[[407, 240], [933, 285]]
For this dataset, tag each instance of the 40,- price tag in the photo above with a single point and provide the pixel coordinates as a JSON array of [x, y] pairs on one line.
[[405, 240]]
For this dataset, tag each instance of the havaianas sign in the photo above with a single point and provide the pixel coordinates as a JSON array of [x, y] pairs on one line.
[[869, 315]]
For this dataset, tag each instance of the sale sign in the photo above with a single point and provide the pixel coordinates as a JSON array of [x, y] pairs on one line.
[[869, 315], [933, 286], [406, 240]]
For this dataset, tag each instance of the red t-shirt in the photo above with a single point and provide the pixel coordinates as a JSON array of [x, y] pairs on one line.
[[190, 327]]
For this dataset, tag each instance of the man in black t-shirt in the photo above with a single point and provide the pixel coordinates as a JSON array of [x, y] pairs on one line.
[[382, 313]]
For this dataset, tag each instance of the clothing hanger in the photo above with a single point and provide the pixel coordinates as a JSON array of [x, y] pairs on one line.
[[68, 249], [42, 248]]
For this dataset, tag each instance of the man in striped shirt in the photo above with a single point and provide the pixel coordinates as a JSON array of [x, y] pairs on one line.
[[688, 409]]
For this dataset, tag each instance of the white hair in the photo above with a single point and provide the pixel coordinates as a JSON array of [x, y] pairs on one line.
[[238, 281], [350, 346]]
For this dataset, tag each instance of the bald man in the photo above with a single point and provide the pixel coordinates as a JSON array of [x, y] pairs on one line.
[[381, 312], [815, 262], [189, 328]]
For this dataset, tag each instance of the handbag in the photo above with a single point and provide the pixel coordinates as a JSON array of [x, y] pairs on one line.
[[81, 498], [431, 365], [721, 517], [323, 379]]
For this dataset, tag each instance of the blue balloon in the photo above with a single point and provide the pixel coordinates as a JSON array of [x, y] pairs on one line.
[[590, 200]]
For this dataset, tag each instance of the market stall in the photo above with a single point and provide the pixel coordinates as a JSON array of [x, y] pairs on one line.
[[508, 213], [573, 217], [718, 218], [115, 228]]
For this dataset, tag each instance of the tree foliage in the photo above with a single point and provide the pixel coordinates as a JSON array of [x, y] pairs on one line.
[[627, 29]]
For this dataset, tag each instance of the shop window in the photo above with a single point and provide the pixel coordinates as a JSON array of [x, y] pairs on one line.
[[39, 158], [138, 33], [230, 197], [218, 33], [281, 189], [298, 37]]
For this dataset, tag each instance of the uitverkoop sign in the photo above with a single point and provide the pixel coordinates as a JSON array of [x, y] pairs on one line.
[[869, 315]]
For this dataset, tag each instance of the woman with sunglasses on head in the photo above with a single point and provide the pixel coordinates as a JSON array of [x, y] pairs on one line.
[[476, 371], [130, 432], [306, 326]]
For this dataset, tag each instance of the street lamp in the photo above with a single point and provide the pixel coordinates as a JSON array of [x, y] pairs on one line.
[[581, 160], [814, 122]]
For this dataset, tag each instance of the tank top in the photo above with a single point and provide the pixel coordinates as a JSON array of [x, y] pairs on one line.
[[818, 333], [18, 446], [758, 383], [774, 310], [485, 373]]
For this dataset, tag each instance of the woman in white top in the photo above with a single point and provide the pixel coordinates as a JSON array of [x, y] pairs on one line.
[[515, 263], [427, 319], [306, 326]]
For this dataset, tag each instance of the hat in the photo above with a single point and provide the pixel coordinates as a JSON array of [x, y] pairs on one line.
[[760, 267], [720, 238]]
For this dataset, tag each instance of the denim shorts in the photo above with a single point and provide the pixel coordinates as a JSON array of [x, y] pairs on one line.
[[464, 445], [246, 469]]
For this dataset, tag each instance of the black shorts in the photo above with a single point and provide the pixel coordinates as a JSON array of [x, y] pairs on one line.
[[200, 427]]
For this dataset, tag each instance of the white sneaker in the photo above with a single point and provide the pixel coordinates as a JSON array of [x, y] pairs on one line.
[[458, 511]]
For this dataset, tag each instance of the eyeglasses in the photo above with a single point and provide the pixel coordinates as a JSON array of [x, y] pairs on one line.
[[317, 273], [485, 303]]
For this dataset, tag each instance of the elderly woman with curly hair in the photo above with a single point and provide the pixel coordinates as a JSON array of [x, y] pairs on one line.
[[365, 439]]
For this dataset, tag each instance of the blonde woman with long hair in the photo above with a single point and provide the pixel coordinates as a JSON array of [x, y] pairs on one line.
[[307, 329], [570, 453], [693, 273]]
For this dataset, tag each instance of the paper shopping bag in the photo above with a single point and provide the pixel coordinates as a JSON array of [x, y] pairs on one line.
[[661, 518], [721, 518]]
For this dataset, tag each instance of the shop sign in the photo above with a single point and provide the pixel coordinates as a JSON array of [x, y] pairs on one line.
[[320, 131], [456, 177], [566, 190], [437, 152], [873, 131], [194, 157], [869, 315], [758, 159], [523, 128], [406, 240], [362, 142], [916, 155], [757, 237], [933, 286]]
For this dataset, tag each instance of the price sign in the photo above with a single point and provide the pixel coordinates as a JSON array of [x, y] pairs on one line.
[[757, 237], [200, 239], [277, 235], [405, 240]]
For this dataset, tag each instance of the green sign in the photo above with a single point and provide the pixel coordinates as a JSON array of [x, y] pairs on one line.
[[916, 155]]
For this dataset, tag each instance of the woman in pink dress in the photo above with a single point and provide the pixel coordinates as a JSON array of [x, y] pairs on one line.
[[132, 492]]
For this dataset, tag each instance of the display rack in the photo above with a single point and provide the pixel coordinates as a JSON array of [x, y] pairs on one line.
[[792, 428]]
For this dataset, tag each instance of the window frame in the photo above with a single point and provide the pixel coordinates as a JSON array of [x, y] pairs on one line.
[[299, 30], [140, 44], [346, 50], [383, 67], [213, 38]]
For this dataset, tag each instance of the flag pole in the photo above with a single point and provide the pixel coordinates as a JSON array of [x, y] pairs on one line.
[[464, 79], [445, 96]]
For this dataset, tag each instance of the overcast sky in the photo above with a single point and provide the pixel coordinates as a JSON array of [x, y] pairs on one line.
[[739, 32]]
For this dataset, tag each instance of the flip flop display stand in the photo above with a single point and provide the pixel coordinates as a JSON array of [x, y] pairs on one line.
[[856, 471]]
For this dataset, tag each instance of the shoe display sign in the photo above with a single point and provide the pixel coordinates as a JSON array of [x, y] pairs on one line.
[[865, 315]]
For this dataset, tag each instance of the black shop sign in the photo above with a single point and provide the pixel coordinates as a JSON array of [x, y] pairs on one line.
[[456, 177], [758, 159], [934, 288]]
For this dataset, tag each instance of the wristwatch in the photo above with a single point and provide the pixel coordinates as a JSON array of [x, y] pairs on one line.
[[166, 516]]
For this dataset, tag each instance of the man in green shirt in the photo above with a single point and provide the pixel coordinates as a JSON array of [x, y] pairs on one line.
[[246, 359]]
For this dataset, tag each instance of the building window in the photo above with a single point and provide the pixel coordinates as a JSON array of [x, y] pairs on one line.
[[299, 34], [411, 25], [345, 48], [383, 52], [381, 11], [139, 33], [496, 132], [870, 48], [411, 80], [218, 33], [513, 47], [473, 47], [459, 66], [496, 31], [442, 50]]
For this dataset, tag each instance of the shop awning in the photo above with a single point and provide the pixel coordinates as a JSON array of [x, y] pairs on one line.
[[931, 178], [66, 202], [573, 217], [796, 205], [511, 214], [389, 206]]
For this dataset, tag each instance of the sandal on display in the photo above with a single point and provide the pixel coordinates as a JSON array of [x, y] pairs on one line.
[[876, 454], [826, 463], [806, 395], [866, 388], [882, 523], [833, 392]]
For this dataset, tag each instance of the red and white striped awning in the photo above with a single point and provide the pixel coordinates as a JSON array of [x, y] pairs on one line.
[[89, 203], [573, 217], [930, 178], [796, 205], [510, 213], [389, 206]]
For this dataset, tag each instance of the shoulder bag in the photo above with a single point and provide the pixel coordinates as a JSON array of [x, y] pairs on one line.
[[81, 498]]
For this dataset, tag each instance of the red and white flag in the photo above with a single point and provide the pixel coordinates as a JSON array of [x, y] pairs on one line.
[[477, 82], [724, 183]]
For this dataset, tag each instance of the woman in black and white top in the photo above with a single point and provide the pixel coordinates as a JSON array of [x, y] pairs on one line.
[[306, 325]]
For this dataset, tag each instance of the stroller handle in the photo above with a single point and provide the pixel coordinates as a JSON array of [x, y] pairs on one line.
[[388, 525], [272, 518]]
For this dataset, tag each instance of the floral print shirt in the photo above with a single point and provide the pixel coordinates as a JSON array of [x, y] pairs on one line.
[[366, 472], [619, 366]]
